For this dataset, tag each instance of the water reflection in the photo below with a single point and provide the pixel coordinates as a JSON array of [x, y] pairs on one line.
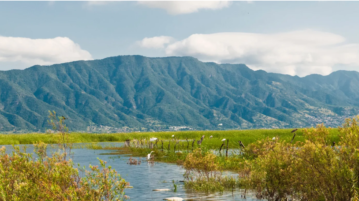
[[145, 177]]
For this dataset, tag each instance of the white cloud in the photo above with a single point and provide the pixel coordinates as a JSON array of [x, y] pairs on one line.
[[157, 42], [185, 7], [40, 51], [295, 53]]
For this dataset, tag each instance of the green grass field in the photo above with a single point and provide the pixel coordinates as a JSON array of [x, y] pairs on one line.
[[246, 136]]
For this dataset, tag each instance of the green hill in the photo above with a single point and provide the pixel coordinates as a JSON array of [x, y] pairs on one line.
[[140, 93]]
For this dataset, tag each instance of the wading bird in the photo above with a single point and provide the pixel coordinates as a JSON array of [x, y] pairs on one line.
[[149, 156], [224, 139], [273, 138], [210, 137], [133, 161], [199, 142], [153, 139]]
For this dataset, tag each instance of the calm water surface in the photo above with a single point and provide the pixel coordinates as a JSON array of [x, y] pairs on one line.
[[145, 177]]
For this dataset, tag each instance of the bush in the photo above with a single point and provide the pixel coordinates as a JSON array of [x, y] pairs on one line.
[[23, 177], [312, 170], [53, 178], [203, 173]]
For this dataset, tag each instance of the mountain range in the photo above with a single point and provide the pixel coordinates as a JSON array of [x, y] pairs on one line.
[[137, 93]]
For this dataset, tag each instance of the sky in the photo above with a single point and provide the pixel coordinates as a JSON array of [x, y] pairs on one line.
[[295, 38]]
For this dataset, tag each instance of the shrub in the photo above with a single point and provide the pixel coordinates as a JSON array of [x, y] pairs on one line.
[[201, 164], [203, 173], [53, 178], [23, 177], [312, 170]]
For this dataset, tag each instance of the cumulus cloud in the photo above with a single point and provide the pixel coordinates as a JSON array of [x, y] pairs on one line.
[[296, 53], [40, 51], [157, 42], [185, 7]]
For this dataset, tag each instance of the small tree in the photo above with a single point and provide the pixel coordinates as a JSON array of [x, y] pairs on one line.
[[59, 126]]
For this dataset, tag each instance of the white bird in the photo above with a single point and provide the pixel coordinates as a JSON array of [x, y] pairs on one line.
[[149, 156], [173, 135], [273, 138], [153, 139], [210, 136], [223, 140]]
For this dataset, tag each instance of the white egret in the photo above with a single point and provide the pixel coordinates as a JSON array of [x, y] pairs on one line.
[[273, 138], [223, 140], [173, 135], [149, 156], [153, 139], [210, 136]]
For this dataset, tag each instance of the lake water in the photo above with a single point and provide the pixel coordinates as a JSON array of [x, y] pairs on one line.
[[145, 177]]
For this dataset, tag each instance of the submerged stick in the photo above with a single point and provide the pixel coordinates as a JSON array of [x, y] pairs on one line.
[[127, 143], [220, 149], [293, 138], [241, 144], [187, 144], [227, 148]]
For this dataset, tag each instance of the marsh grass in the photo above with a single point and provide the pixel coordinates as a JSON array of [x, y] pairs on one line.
[[246, 136], [213, 184]]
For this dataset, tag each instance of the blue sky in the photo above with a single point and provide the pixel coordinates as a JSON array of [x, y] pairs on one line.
[[297, 38]]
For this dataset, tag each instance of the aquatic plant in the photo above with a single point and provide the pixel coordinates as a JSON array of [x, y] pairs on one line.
[[174, 186], [203, 173]]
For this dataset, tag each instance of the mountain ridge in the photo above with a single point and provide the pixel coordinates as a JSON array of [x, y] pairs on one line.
[[127, 93]]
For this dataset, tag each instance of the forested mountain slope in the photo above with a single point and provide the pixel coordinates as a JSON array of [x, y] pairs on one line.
[[136, 92]]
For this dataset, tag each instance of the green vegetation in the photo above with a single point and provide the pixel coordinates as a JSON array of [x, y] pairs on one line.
[[319, 164], [136, 93], [246, 136], [310, 168], [203, 173], [54, 178], [24, 177], [315, 169]]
